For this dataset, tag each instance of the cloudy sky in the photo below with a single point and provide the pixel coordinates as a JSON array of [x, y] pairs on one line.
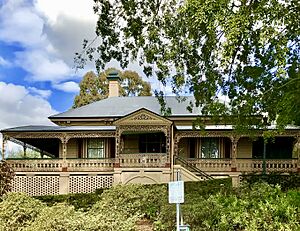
[[38, 40]]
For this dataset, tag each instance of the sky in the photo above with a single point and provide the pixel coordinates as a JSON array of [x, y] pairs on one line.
[[38, 40]]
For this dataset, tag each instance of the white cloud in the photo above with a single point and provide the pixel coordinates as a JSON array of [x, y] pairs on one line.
[[4, 62], [50, 33], [80, 9], [18, 107], [42, 67], [67, 87], [42, 93], [20, 23]]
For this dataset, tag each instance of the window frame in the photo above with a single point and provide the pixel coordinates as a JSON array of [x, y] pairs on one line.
[[101, 141], [210, 154]]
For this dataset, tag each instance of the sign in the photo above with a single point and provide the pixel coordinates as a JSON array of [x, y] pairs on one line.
[[176, 192]]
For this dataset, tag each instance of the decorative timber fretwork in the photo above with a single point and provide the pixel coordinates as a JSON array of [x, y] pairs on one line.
[[234, 143], [35, 135], [98, 134], [143, 117], [64, 137], [144, 128], [189, 134]]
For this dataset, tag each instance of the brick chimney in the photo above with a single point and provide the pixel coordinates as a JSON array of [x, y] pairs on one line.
[[113, 84]]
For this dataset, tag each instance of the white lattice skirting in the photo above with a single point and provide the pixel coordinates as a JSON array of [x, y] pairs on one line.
[[57, 184], [86, 184]]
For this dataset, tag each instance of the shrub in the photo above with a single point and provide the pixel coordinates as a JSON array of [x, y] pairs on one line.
[[60, 217], [83, 201], [286, 181], [141, 200], [18, 210]]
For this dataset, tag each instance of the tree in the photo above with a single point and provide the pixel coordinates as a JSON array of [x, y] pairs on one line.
[[247, 51], [94, 88]]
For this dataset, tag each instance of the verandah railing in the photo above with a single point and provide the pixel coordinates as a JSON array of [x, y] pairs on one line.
[[57, 165], [143, 160], [272, 165], [244, 164]]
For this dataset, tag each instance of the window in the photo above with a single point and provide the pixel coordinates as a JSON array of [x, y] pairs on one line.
[[152, 143], [210, 148], [280, 148], [95, 148]]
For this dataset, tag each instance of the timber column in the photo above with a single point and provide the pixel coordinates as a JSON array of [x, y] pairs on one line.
[[64, 142], [64, 178], [117, 147], [4, 144], [234, 142], [298, 153]]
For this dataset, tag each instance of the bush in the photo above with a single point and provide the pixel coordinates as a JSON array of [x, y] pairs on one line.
[[83, 201], [18, 210], [260, 208], [210, 205], [60, 217], [135, 199], [286, 181]]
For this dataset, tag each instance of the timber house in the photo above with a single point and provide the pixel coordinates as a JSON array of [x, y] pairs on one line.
[[126, 140]]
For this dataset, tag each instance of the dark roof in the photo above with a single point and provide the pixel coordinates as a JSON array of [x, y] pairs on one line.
[[42, 128], [121, 106]]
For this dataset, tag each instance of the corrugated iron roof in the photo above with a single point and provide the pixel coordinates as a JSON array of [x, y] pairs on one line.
[[121, 106]]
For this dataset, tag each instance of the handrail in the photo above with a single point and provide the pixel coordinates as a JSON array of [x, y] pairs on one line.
[[193, 168]]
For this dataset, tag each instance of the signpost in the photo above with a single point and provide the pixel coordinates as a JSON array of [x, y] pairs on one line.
[[176, 196]]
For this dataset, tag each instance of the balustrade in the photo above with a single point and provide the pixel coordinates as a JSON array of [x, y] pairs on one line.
[[272, 165], [36, 165], [90, 164], [244, 165], [211, 165], [56, 165], [143, 160]]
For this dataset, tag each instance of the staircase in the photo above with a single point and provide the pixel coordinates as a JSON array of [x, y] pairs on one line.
[[198, 172]]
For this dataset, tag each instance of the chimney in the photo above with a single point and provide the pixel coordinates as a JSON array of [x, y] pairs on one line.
[[113, 84]]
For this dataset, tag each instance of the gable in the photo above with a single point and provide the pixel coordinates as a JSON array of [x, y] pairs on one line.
[[143, 117]]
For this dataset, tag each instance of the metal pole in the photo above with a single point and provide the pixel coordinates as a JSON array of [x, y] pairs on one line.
[[177, 215], [177, 205]]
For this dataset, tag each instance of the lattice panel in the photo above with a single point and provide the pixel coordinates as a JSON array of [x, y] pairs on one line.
[[36, 185], [86, 184]]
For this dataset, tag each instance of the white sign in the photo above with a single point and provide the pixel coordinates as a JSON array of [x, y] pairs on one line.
[[176, 192]]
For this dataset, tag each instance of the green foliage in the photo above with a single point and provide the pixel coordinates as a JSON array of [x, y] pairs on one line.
[[20, 154], [245, 50], [83, 201], [18, 210], [210, 205], [286, 181], [60, 217], [94, 88], [6, 176], [141, 200], [261, 208]]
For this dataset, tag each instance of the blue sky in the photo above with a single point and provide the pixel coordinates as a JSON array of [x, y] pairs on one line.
[[38, 40]]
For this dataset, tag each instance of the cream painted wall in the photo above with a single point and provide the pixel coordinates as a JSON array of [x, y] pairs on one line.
[[131, 144], [183, 148], [244, 149], [72, 148]]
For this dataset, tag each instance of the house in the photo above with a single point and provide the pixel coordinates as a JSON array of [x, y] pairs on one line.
[[127, 140]]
